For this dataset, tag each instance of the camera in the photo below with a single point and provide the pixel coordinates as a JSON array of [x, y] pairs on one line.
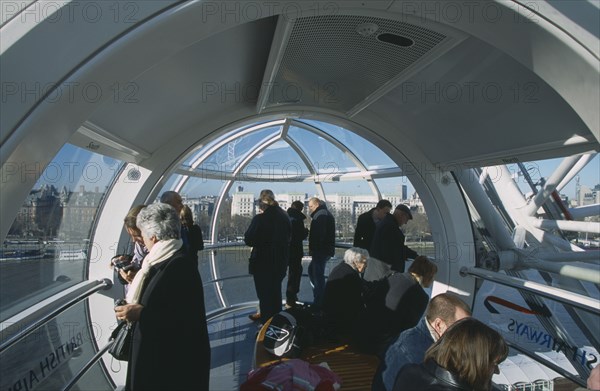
[[122, 261]]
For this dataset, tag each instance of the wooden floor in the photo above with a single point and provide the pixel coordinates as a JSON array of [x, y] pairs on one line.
[[355, 369]]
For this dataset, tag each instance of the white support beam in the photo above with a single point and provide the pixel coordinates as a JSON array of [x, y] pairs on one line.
[[551, 184], [581, 212], [566, 225]]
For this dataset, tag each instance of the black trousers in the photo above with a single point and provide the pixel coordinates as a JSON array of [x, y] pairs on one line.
[[268, 290], [294, 274]]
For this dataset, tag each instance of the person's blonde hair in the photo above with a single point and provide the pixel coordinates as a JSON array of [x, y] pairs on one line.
[[424, 268], [267, 197], [186, 216], [471, 350], [130, 218]]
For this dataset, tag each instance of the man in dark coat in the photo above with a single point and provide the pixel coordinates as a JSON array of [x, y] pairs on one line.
[[299, 233], [321, 246], [269, 235], [366, 224], [388, 246]]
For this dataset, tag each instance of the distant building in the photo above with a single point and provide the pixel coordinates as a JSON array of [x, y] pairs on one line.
[[78, 212], [204, 205], [49, 213], [242, 204], [586, 196]]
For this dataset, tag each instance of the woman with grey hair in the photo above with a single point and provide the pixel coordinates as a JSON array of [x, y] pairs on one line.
[[165, 302], [343, 300]]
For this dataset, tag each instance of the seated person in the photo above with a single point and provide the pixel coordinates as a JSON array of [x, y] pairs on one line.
[[342, 302], [464, 358], [410, 346], [398, 303]]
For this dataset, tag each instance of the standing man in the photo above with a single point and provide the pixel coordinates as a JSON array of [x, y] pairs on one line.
[[299, 233], [321, 246], [366, 224], [269, 235], [388, 246], [174, 199], [410, 346]]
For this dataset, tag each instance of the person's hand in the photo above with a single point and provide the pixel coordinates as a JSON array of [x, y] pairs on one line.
[[128, 275], [129, 312], [118, 259]]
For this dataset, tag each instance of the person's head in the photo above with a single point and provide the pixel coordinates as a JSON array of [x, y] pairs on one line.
[[313, 204], [402, 214], [445, 309], [357, 258], [471, 350], [298, 205], [172, 198], [266, 199], [130, 224], [186, 216], [157, 222], [424, 270], [382, 208]]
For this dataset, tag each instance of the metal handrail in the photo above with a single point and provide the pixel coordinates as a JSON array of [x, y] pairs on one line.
[[563, 296], [23, 332], [558, 369], [83, 370]]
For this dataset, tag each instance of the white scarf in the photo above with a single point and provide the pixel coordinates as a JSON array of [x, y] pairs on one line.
[[161, 251]]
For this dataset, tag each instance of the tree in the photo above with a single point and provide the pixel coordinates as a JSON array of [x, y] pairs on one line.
[[418, 227]]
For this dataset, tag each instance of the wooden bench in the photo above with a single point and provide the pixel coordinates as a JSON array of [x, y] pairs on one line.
[[355, 369]]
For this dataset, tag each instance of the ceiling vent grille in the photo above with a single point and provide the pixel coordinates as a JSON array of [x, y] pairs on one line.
[[339, 61]]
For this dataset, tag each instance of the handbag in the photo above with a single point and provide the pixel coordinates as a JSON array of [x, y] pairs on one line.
[[121, 337]]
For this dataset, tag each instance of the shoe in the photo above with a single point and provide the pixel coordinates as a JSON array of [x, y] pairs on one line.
[[254, 317]]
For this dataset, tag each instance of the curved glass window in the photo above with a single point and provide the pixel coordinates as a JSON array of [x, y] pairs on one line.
[[326, 158], [368, 153], [228, 157], [296, 159], [48, 248]]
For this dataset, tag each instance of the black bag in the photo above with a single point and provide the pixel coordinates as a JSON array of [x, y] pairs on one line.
[[283, 335], [121, 337]]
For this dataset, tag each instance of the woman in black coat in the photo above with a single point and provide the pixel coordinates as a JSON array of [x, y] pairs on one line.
[[269, 235], [464, 358], [343, 302], [170, 348]]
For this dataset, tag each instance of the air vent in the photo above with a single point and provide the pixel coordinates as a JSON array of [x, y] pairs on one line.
[[134, 175], [344, 62]]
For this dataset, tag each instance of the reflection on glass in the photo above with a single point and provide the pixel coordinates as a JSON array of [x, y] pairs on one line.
[[369, 154], [326, 158], [228, 157], [48, 246], [50, 357]]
